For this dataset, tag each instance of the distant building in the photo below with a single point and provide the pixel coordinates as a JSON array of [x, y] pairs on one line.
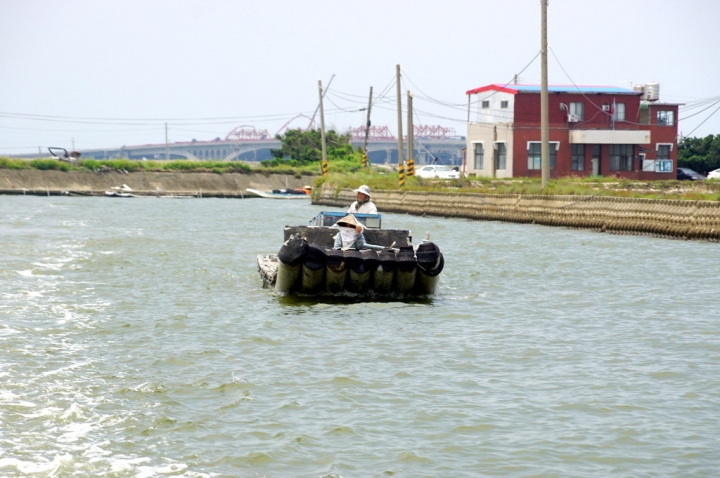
[[593, 130]]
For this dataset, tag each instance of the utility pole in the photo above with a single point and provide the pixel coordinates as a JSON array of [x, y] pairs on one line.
[[167, 148], [312, 120], [411, 137], [324, 164], [367, 132], [544, 115], [401, 165]]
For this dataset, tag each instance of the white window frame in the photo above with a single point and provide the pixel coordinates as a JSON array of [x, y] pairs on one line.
[[665, 122], [663, 165], [616, 114], [577, 108], [496, 156], [556, 143], [474, 157], [485, 104], [553, 157]]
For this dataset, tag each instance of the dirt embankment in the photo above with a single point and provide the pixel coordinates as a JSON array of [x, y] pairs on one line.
[[681, 219], [145, 183]]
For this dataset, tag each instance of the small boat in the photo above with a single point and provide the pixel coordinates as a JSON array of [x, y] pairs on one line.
[[287, 193], [308, 265], [120, 192]]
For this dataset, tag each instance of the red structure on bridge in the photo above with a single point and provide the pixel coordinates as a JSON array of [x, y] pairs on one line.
[[248, 133], [376, 133], [420, 132]]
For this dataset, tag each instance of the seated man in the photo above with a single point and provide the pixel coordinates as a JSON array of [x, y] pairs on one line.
[[363, 205], [350, 235]]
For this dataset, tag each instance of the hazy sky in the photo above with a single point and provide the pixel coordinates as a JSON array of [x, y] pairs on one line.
[[100, 73]]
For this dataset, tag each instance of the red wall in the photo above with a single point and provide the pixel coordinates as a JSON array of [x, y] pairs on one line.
[[527, 128]]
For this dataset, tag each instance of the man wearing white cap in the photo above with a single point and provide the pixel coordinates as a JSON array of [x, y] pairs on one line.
[[363, 205]]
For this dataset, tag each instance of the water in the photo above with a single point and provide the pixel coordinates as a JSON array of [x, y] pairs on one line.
[[135, 340]]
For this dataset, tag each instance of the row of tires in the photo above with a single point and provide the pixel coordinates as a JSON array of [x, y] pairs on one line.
[[310, 269]]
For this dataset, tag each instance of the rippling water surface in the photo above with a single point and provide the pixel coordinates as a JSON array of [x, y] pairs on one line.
[[135, 340]]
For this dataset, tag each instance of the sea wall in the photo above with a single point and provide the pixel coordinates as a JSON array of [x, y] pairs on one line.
[[26, 181], [681, 219]]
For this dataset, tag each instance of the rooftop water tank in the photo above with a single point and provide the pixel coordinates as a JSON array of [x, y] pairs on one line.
[[639, 89], [652, 91]]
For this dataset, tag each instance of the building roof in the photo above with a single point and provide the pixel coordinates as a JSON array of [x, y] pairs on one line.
[[515, 89]]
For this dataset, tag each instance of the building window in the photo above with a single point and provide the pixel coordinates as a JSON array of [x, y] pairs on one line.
[[504, 104], [500, 156], [621, 157], [486, 104], [479, 156], [535, 154], [577, 110], [578, 157], [663, 164], [666, 118], [619, 112]]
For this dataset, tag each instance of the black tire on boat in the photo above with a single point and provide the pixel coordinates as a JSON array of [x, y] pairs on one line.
[[335, 271], [429, 259], [359, 274], [293, 250], [384, 274], [406, 271], [313, 270], [315, 257]]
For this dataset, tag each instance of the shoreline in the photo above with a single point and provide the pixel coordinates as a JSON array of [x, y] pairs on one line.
[[157, 184], [668, 218]]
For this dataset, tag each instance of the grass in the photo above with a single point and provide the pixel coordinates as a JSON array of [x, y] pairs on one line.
[[348, 174], [708, 190]]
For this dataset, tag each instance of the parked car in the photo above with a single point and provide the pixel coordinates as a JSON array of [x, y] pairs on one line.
[[437, 171], [689, 174], [714, 174]]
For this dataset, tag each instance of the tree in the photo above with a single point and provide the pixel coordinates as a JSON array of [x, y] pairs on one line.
[[305, 147], [700, 154]]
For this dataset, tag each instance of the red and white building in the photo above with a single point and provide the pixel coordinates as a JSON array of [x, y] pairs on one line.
[[593, 130]]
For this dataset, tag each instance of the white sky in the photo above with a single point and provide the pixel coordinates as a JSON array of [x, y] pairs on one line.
[[100, 73]]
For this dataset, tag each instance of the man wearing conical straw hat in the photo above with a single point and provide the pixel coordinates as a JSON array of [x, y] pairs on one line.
[[350, 235]]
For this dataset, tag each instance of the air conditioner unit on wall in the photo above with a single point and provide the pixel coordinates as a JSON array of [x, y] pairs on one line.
[[573, 118], [606, 107]]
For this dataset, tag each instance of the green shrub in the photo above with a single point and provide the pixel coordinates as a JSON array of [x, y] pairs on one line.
[[8, 163]]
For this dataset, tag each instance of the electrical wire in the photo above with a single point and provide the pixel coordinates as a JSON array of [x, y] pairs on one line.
[[711, 115]]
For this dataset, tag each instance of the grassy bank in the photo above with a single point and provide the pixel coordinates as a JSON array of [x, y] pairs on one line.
[[348, 174], [708, 190], [219, 167]]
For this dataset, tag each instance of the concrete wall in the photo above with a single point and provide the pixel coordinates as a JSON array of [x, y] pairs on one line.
[[144, 183], [666, 218]]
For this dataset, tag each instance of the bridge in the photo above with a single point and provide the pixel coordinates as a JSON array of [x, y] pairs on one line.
[[251, 145]]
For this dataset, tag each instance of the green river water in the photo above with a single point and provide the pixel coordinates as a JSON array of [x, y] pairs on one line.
[[136, 341]]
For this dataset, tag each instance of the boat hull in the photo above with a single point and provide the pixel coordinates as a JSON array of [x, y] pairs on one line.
[[311, 270], [277, 195]]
